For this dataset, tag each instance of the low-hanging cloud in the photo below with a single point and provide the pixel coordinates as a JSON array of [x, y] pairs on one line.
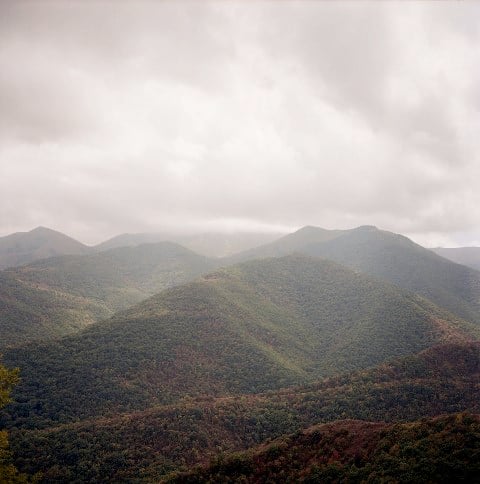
[[139, 116]]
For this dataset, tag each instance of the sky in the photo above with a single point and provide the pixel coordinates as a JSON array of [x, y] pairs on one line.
[[240, 116]]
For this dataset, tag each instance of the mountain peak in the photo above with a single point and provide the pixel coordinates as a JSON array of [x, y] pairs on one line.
[[42, 229], [311, 229], [40, 243], [366, 228]]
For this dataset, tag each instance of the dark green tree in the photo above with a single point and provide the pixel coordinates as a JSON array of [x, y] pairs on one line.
[[8, 472]]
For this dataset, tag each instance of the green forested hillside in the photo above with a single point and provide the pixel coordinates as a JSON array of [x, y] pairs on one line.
[[8, 472], [149, 444], [443, 449], [34, 313], [397, 259], [391, 257], [118, 277], [231, 359], [253, 327], [58, 296], [40, 243]]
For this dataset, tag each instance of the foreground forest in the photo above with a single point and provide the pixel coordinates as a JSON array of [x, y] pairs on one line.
[[308, 355], [154, 442], [435, 450]]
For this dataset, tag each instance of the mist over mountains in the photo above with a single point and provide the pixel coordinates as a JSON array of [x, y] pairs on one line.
[[467, 256], [43, 243]]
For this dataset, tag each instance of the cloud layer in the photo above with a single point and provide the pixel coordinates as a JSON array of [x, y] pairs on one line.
[[129, 116]]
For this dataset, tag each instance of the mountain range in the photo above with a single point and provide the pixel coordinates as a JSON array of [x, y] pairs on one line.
[[250, 328], [42, 243], [149, 359]]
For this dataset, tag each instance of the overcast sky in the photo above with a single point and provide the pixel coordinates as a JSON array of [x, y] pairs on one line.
[[133, 117]]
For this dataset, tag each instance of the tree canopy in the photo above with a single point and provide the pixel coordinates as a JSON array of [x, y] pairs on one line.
[[8, 473]]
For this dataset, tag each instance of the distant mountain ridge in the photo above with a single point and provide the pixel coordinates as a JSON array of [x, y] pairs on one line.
[[92, 286], [208, 244], [290, 243], [467, 256], [40, 243]]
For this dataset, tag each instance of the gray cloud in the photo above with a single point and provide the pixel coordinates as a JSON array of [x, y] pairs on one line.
[[137, 116]]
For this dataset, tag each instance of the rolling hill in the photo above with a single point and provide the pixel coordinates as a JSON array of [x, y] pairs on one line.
[[467, 256], [442, 450], [56, 296], [249, 328], [390, 257], [146, 445], [119, 277], [40, 243]]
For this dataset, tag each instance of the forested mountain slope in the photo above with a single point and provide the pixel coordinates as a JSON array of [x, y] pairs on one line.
[[56, 296], [467, 256], [29, 313], [149, 444], [397, 259], [118, 277], [249, 328], [40, 243], [391, 257]]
